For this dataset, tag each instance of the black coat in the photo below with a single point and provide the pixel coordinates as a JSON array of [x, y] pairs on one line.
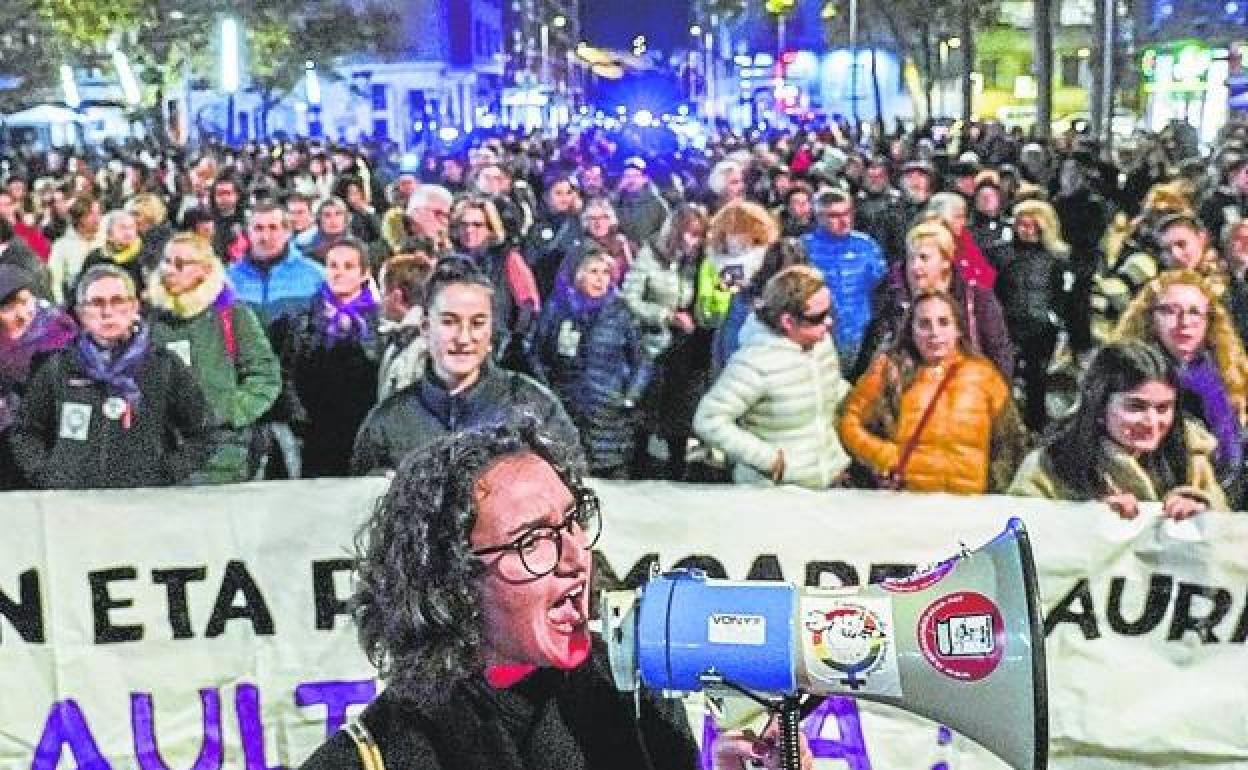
[[329, 385], [63, 440], [1029, 286], [417, 415], [552, 720]]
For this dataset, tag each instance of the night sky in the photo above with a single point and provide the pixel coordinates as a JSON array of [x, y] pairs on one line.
[[614, 23]]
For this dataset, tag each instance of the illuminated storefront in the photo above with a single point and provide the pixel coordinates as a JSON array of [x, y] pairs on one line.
[[1186, 80]]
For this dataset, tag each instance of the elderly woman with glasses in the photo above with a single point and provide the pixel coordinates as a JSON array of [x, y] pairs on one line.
[[473, 600], [197, 315], [1180, 314], [113, 409]]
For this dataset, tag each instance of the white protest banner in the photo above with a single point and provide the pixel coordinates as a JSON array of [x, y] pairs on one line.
[[206, 628]]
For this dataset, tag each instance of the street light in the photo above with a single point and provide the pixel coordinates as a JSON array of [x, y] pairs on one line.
[[229, 71], [560, 22]]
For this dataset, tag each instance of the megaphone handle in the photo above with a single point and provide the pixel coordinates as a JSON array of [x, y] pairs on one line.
[[790, 733]]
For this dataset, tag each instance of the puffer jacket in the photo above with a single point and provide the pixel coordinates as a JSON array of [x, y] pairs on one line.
[[610, 350], [1030, 287], [852, 266], [656, 289], [974, 426], [1035, 476], [775, 396]]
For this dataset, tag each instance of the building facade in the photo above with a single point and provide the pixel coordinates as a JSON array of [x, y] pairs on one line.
[[545, 78]]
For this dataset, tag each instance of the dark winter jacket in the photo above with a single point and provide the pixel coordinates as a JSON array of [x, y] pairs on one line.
[[592, 375], [1030, 286], [551, 720], [331, 384], [412, 418], [883, 217], [641, 214], [63, 438], [1223, 205]]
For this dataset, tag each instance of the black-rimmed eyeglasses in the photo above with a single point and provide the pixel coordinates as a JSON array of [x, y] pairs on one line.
[[541, 548]]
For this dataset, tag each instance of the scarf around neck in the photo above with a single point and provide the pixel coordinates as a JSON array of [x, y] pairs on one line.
[[347, 320], [117, 370]]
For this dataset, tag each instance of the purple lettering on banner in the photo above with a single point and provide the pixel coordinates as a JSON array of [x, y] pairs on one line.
[[251, 728], [850, 748], [336, 696], [66, 726], [944, 737], [211, 752]]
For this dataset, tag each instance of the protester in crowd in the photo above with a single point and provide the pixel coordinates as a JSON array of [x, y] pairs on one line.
[[929, 267], [429, 216], [1186, 245], [919, 182], [726, 183], [111, 410], [990, 224], [1228, 203], [637, 204], [151, 222], [330, 355], [1132, 259], [122, 246], [555, 235], [15, 253], [772, 410], [365, 225], [197, 316], [1084, 216], [29, 234], [880, 210], [1235, 260], [588, 350], [69, 252], [1127, 442], [659, 291], [852, 266], [53, 219], [473, 599], [30, 330], [461, 387], [1030, 287], [797, 213], [404, 278], [784, 253], [229, 212], [1180, 314], [950, 209], [599, 232], [739, 235], [333, 222], [931, 415], [273, 278]]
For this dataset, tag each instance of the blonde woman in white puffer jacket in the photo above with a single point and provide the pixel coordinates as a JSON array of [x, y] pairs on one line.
[[773, 410]]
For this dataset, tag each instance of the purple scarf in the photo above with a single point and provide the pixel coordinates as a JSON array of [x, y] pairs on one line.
[[119, 372], [51, 330], [347, 321], [1201, 379], [226, 299]]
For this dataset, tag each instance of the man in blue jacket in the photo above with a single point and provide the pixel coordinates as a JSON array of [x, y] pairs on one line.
[[273, 277], [852, 265]]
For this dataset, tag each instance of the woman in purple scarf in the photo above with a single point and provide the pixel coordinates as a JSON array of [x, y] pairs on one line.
[[588, 349], [1180, 313], [330, 356], [29, 330]]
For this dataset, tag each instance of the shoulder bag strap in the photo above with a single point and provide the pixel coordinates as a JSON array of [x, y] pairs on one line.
[[370, 755], [913, 442], [226, 314]]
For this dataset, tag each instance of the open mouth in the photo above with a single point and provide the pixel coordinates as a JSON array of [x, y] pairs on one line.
[[568, 613]]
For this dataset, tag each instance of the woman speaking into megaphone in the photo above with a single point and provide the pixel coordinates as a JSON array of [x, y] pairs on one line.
[[474, 582]]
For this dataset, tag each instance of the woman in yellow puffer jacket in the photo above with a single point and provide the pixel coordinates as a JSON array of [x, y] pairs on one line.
[[931, 415]]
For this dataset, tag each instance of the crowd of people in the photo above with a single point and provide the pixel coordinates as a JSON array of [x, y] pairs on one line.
[[988, 314]]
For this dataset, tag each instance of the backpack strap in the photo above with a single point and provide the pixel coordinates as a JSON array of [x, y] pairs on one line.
[[370, 755], [226, 314]]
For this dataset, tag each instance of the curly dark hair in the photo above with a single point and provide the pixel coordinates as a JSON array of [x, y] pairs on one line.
[[417, 602]]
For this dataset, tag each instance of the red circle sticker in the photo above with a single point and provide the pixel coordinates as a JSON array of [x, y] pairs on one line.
[[962, 635]]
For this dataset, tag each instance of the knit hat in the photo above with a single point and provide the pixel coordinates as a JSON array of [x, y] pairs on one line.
[[12, 280]]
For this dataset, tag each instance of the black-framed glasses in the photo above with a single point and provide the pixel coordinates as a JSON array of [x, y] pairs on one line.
[[541, 548]]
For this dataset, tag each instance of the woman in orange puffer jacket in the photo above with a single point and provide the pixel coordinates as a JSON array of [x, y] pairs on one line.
[[931, 415]]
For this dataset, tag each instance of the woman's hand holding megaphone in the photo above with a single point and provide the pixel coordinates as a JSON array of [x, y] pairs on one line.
[[743, 749]]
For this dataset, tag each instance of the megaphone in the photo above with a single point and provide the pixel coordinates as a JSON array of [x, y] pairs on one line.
[[960, 643]]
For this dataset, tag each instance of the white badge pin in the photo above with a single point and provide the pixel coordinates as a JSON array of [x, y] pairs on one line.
[[114, 408]]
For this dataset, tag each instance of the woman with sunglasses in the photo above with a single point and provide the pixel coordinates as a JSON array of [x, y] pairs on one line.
[[773, 409], [473, 600], [931, 415]]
